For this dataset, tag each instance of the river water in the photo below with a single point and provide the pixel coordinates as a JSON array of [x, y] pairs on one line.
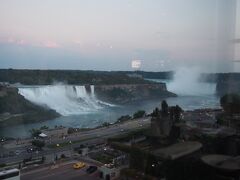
[[194, 96]]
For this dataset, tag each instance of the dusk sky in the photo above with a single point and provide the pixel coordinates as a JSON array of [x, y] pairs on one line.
[[109, 34]]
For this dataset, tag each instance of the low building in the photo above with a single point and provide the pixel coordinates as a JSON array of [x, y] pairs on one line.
[[110, 172]]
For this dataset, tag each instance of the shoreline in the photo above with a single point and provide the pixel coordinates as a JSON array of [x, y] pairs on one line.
[[118, 122], [95, 135]]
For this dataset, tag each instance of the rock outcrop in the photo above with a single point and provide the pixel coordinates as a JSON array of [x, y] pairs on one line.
[[227, 83], [15, 109], [125, 93], [227, 87]]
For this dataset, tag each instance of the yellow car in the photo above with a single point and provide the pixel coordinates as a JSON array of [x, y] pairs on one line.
[[79, 165]]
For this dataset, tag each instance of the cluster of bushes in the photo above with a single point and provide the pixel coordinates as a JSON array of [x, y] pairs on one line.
[[71, 130], [106, 124], [35, 132], [124, 118], [138, 114], [44, 127], [38, 143], [103, 158]]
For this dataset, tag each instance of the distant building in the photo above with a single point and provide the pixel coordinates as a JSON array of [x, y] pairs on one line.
[[136, 64]]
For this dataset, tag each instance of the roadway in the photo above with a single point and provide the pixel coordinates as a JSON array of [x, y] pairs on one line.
[[89, 137], [61, 172]]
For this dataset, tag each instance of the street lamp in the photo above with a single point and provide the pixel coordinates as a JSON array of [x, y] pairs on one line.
[[70, 142], [55, 155]]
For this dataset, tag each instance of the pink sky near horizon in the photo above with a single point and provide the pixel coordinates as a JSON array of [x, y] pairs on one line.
[[177, 31]]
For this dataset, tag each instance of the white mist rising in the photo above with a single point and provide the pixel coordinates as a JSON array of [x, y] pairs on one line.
[[186, 83], [65, 99]]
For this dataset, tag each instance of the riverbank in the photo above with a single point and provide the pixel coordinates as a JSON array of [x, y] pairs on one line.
[[111, 114], [15, 109], [203, 118], [84, 136]]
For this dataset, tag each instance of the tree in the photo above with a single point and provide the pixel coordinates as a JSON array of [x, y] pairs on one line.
[[35, 132], [175, 113], [38, 143], [155, 112], [178, 111], [124, 118], [44, 127], [139, 114], [164, 108], [71, 130], [106, 124], [230, 103]]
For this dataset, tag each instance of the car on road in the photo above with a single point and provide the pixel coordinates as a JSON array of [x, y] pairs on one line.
[[79, 165], [32, 149], [17, 152], [91, 169]]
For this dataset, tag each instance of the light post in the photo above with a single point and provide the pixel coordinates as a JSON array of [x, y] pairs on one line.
[[70, 142], [2, 141], [31, 152], [55, 155]]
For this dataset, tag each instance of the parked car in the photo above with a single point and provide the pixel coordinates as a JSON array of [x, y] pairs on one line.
[[91, 169], [18, 152]]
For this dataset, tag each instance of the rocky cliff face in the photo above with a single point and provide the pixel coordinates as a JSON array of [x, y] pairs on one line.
[[125, 93], [15, 109], [228, 86]]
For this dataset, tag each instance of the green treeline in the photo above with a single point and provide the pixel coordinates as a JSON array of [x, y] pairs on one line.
[[45, 77]]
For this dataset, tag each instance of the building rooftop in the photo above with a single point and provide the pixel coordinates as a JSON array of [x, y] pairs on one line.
[[223, 162], [178, 150]]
